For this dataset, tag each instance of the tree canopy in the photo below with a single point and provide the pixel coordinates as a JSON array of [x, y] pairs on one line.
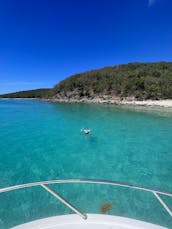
[[140, 80], [38, 93]]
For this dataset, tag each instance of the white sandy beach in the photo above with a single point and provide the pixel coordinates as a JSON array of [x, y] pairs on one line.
[[162, 103]]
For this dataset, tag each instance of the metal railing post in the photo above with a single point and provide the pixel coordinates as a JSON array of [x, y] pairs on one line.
[[65, 202], [163, 204]]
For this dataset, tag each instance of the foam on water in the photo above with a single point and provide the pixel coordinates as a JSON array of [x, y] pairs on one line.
[[42, 141]]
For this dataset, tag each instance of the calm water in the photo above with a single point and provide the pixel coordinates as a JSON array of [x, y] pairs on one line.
[[41, 141]]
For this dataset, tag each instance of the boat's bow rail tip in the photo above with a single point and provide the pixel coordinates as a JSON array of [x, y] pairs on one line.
[[44, 184]]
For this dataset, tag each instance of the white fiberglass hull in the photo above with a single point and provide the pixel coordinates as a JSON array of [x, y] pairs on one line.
[[95, 221]]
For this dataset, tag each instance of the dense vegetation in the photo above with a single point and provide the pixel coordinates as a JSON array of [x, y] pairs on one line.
[[138, 80], [38, 93]]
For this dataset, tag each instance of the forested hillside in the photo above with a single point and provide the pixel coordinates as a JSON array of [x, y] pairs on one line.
[[137, 80], [38, 93]]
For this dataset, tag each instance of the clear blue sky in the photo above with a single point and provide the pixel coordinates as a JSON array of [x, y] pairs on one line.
[[44, 41]]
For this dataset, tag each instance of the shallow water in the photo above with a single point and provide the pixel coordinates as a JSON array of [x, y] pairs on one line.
[[42, 141]]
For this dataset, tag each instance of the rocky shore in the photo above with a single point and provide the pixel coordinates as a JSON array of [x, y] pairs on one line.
[[114, 100], [102, 100]]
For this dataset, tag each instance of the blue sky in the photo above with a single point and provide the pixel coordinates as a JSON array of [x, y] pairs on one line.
[[44, 41]]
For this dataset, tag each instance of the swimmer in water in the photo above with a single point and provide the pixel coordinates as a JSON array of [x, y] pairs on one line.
[[86, 131]]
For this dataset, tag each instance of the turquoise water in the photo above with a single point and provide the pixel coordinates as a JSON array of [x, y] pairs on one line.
[[42, 141]]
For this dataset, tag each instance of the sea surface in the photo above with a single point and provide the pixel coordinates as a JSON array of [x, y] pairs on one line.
[[43, 141]]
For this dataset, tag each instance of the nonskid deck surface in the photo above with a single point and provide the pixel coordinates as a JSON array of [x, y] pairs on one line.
[[94, 221]]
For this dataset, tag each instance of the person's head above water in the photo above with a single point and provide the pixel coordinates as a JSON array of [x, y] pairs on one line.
[[86, 131]]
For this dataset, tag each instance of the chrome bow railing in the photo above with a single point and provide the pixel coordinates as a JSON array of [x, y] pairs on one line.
[[44, 184]]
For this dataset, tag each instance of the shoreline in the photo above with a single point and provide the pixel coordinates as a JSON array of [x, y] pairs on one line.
[[166, 103]]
